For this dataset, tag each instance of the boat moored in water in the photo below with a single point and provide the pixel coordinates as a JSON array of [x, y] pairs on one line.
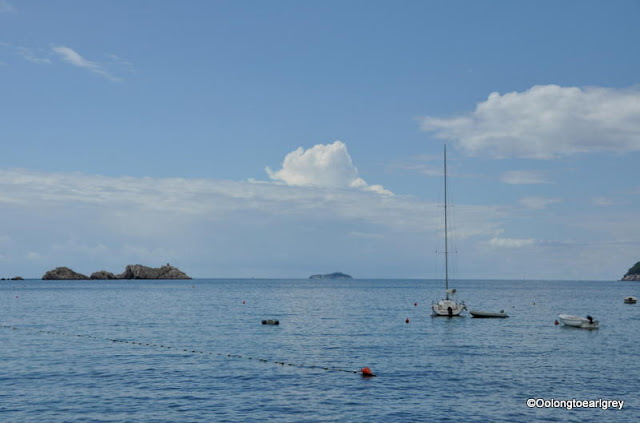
[[488, 314], [447, 307], [630, 300], [578, 322]]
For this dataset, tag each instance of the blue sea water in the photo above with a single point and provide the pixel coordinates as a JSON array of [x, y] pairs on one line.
[[76, 351]]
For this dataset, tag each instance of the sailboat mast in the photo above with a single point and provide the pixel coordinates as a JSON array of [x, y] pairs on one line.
[[446, 242]]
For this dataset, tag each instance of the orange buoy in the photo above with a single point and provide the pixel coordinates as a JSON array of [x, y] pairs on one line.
[[366, 372], [406, 320], [556, 323]]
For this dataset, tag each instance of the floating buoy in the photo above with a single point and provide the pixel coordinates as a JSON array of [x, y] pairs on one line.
[[270, 322], [244, 302], [415, 304], [366, 372], [406, 320], [556, 323]]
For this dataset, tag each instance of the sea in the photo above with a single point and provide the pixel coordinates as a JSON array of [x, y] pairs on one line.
[[197, 351]]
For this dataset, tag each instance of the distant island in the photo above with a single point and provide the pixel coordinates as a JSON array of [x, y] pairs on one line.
[[633, 274], [132, 271], [335, 275]]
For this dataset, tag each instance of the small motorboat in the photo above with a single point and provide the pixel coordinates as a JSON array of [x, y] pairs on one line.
[[488, 314], [630, 300], [578, 322]]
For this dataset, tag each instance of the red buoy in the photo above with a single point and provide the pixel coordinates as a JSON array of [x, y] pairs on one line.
[[556, 323], [406, 320], [366, 372], [244, 302], [415, 304]]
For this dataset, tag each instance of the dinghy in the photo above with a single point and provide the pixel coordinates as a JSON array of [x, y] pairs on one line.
[[488, 314], [578, 322]]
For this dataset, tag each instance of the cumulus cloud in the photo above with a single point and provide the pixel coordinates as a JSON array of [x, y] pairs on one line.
[[327, 166], [523, 177], [546, 121], [72, 57]]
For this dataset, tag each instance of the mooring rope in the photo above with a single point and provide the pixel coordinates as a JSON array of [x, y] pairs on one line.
[[364, 371]]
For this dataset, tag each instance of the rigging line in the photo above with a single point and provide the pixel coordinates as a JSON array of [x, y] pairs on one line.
[[179, 349]]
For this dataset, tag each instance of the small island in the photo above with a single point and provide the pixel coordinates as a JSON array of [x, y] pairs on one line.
[[633, 274], [335, 275], [132, 271]]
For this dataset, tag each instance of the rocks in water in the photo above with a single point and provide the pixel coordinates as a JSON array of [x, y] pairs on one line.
[[63, 273], [103, 274], [15, 278], [634, 277], [132, 271], [335, 275], [138, 271]]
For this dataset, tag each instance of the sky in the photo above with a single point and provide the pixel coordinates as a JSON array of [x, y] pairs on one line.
[[279, 139]]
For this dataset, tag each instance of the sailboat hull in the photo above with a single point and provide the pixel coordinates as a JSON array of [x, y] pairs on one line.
[[447, 308]]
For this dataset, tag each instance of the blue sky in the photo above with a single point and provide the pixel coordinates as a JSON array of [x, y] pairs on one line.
[[285, 138]]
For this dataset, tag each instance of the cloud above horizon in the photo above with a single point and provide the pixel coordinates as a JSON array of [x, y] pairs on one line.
[[74, 58], [546, 122], [524, 177], [328, 166], [78, 219]]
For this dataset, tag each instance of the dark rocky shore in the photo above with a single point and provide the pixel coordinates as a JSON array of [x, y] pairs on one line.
[[132, 271], [633, 274], [335, 275]]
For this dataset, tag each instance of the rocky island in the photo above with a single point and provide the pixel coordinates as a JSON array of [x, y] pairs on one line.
[[132, 271], [335, 275], [633, 274]]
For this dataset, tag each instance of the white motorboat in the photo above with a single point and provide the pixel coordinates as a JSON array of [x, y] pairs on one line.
[[447, 307], [578, 322], [630, 300], [488, 314]]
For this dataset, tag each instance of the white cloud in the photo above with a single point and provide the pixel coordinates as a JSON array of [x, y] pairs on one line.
[[523, 177], [74, 58], [31, 56], [511, 242], [90, 222], [328, 166], [605, 202], [537, 203], [545, 122]]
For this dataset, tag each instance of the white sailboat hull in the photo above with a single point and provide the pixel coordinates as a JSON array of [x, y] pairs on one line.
[[578, 322], [447, 308]]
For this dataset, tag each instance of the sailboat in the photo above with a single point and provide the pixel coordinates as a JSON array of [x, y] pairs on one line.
[[447, 307]]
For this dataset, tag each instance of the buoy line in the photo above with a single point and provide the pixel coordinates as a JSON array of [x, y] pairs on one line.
[[365, 371]]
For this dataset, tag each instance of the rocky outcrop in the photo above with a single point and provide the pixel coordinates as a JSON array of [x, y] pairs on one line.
[[63, 273], [132, 271], [138, 271], [335, 275], [633, 274], [103, 274]]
